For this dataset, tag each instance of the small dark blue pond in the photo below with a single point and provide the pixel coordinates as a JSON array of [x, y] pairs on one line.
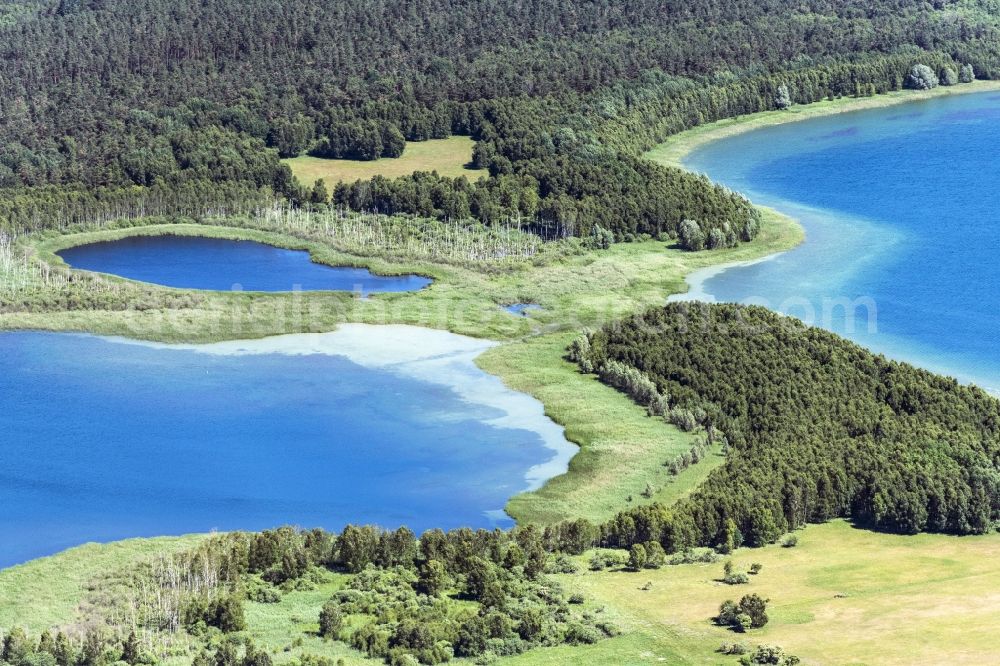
[[522, 309], [197, 262]]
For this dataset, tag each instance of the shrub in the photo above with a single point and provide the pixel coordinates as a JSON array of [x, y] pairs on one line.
[[967, 74], [606, 560], [656, 557], [579, 352], [790, 541], [264, 594], [691, 236], [607, 628], [682, 418], [580, 634], [561, 564], [637, 557], [782, 99], [331, 620], [727, 613], [690, 556], [478, 575], [733, 649], [659, 405], [743, 622], [716, 239], [949, 77], [223, 612], [506, 647], [922, 77], [736, 578], [631, 381], [769, 654], [399, 657], [433, 578], [749, 613], [755, 607], [603, 238]]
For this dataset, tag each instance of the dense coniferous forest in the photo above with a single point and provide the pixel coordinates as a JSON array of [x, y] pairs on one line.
[[560, 96], [815, 427]]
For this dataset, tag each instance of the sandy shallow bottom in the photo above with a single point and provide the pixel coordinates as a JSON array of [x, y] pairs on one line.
[[428, 355]]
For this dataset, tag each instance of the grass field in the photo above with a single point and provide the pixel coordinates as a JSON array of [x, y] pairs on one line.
[[842, 596], [49, 591], [448, 157], [621, 448]]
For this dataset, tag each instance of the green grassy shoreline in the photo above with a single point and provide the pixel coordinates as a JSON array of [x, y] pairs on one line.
[[49, 248], [622, 449], [673, 151]]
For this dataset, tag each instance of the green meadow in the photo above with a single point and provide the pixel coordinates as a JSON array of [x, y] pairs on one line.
[[449, 157]]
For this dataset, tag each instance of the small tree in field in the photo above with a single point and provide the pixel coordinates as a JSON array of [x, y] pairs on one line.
[[949, 77], [319, 193], [749, 613], [637, 557], [755, 607], [331, 620], [656, 557], [966, 74]]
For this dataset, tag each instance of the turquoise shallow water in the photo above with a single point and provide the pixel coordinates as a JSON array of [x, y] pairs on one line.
[[902, 228], [103, 439]]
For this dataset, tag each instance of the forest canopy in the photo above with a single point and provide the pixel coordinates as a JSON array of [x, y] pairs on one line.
[[815, 427], [560, 96]]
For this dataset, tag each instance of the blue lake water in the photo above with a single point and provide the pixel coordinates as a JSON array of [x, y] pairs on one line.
[[103, 439], [902, 228], [196, 262]]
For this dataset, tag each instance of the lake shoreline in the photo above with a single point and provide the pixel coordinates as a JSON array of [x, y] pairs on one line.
[[593, 448], [429, 355], [675, 149], [49, 249], [678, 149], [379, 397]]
